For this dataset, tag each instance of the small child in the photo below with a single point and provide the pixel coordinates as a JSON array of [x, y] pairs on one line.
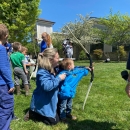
[[19, 68], [69, 50], [68, 87], [28, 64], [6, 83]]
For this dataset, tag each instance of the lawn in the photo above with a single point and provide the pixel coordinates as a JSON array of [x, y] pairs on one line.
[[107, 107]]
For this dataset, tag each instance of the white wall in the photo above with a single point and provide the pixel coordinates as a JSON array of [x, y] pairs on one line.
[[41, 27], [107, 48]]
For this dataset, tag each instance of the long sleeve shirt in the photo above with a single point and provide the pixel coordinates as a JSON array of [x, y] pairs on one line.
[[43, 46], [5, 68], [67, 88], [45, 96]]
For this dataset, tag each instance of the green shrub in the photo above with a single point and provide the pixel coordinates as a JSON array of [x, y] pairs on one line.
[[98, 53], [122, 52], [82, 55]]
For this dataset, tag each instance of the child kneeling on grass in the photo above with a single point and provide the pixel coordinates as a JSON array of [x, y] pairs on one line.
[[67, 88]]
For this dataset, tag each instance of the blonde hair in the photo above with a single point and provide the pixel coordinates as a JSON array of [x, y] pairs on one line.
[[48, 41], [45, 57], [3, 31], [65, 63], [24, 49], [16, 46]]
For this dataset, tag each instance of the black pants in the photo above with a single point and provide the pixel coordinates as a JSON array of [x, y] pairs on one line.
[[44, 119]]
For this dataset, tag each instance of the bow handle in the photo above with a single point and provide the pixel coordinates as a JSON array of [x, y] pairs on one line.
[[91, 66]]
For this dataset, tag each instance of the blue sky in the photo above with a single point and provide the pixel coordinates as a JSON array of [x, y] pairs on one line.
[[64, 11]]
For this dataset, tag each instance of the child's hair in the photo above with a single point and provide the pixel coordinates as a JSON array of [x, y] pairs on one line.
[[49, 41], [24, 49], [3, 31], [45, 57], [16, 46], [65, 62]]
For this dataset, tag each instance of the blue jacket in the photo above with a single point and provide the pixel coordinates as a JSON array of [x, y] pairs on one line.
[[69, 85], [45, 96], [43, 46], [9, 47], [5, 69]]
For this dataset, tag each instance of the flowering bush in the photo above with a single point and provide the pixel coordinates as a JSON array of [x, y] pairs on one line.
[[98, 53]]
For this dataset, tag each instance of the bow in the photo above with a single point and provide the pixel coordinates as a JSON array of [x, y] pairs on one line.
[[91, 66]]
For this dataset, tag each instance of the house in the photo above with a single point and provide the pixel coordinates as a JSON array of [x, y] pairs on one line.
[[43, 25]]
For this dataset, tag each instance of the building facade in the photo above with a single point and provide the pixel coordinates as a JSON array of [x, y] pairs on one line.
[[43, 25]]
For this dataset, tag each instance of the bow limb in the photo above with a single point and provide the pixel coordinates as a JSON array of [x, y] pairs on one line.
[[88, 55], [91, 66], [91, 80]]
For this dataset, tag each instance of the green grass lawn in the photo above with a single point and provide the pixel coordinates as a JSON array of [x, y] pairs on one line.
[[107, 107]]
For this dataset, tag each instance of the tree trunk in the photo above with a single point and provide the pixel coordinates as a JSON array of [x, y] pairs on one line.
[[118, 53]]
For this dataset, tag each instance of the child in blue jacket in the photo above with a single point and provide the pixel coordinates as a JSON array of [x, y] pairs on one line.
[[67, 88]]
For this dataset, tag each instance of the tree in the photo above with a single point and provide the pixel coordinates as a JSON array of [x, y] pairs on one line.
[[115, 29], [57, 40], [82, 29], [20, 17]]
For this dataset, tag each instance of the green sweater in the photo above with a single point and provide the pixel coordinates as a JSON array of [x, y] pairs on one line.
[[16, 59]]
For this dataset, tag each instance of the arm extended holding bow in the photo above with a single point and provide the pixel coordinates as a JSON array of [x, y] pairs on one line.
[[91, 66]]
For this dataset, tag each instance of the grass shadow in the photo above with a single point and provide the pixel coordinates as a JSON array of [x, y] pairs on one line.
[[33, 78], [90, 125]]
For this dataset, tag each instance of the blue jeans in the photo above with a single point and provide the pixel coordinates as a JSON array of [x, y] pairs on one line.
[[6, 107], [65, 107], [20, 74]]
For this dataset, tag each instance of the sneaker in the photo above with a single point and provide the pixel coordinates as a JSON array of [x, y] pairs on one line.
[[15, 118], [71, 117]]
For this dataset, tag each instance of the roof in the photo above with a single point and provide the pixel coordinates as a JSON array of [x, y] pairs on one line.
[[40, 19]]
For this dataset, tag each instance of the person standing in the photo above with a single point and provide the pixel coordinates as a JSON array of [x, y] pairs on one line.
[[67, 88], [6, 83], [46, 41], [8, 47], [19, 68], [69, 50], [28, 64]]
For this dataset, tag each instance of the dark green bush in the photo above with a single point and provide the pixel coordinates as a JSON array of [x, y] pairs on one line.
[[82, 55], [98, 53]]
